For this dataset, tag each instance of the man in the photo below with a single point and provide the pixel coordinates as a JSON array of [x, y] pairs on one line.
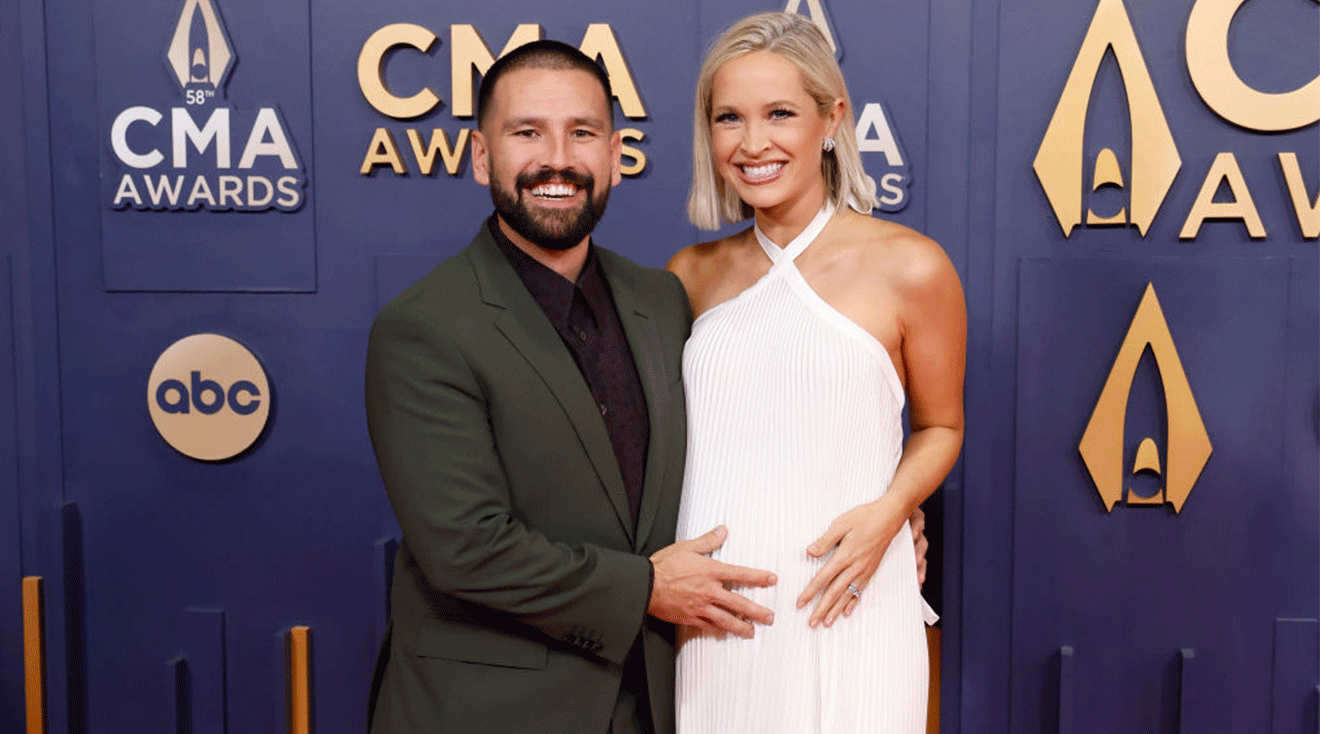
[[526, 406]]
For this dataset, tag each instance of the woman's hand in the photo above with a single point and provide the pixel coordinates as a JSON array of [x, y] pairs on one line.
[[859, 538]]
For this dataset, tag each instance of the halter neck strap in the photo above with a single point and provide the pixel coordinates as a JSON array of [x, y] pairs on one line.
[[789, 252]]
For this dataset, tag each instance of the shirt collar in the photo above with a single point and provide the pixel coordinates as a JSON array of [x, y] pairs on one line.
[[552, 291]]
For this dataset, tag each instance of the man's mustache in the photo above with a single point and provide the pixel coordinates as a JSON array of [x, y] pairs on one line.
[[550, 175]]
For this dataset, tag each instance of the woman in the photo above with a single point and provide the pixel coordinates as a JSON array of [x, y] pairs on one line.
[[811, 327]]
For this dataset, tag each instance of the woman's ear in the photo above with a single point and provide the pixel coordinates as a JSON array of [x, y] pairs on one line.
[[834, 117]]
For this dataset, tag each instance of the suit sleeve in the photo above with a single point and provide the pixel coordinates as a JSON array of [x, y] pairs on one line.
[[427, 416], [682, 301]]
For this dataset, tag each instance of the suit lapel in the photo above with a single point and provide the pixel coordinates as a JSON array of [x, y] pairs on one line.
[[522, 322], [644, 340]]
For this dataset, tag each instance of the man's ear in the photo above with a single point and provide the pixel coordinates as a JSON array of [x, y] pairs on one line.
[[480, 160], [616, 153]]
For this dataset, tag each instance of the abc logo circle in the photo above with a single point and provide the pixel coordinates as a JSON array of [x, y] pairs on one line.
[[208, 397]]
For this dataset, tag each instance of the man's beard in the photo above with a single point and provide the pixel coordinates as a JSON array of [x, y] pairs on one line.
[[549, 229]]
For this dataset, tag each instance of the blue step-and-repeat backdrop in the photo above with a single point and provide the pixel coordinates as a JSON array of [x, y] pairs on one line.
[[206, 201]]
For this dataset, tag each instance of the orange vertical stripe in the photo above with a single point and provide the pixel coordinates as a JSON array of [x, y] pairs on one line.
[[300, 680], [34, 658]]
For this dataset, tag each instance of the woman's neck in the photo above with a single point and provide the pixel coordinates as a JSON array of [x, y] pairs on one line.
[[786, 220]]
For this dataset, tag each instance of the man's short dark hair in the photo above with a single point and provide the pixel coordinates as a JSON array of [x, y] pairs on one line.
[[543, 54]]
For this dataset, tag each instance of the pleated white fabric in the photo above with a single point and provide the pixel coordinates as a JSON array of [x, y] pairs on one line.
[[794, 418]]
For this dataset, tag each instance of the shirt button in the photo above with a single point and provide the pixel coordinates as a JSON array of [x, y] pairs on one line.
[[582, 335], [603, 409]]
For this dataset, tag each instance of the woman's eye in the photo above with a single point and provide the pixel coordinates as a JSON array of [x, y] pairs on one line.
[[725, 117], [781, 114]]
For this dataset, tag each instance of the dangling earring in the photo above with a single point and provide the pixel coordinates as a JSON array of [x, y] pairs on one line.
[[828, 145]]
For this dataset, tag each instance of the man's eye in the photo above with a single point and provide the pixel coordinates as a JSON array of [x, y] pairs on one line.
[[526, 133], [583, 134]]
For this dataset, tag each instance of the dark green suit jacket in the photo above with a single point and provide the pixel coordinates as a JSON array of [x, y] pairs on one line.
[[520, 585]]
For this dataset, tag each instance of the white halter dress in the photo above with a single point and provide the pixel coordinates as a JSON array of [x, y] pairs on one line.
[[794, 417]]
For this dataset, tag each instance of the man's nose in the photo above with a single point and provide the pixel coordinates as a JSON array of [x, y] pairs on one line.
[[557, 152]]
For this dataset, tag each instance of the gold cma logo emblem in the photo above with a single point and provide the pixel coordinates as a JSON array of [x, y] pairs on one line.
[[199, 52], [816, 11], [1102, 443], [1155, 160]]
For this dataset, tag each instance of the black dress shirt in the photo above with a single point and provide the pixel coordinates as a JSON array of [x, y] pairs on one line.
[[584, 314]]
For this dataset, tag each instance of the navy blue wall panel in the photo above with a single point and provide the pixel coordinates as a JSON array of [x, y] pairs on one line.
[[11, 621], [168, 577], [948, 175], [1129, 589], [13, 219], [29, 239], [982, 632], [12, 240], [1296, 656], [261, 238], [1143, 580]]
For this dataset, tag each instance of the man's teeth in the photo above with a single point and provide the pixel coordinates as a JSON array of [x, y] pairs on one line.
[[764, 171], [554, 191]]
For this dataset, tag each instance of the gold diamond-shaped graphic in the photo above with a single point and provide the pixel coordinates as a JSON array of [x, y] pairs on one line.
[[1155, 159], [1102, 444], [816, 11], [199, 51]]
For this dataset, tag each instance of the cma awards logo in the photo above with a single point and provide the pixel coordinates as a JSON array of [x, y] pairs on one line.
[[875, 130], [427, 151], [1155, 160], [208, 397], [183, 158], [1102, 445]]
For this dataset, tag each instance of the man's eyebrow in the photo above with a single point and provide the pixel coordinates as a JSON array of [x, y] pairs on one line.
[[521, 122], [587, 122], [518, 122]]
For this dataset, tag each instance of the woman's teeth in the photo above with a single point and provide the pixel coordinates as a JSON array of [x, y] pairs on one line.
[[761, 172]]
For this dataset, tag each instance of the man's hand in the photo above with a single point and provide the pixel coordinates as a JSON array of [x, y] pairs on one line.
[[691, 588], [918, 523]]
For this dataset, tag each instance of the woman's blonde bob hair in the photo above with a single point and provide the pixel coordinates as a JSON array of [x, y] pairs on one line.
[[710, 202]]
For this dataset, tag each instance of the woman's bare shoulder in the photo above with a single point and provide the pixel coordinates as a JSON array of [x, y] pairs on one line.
[[902, 256], [708, 268], [698, 262]]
